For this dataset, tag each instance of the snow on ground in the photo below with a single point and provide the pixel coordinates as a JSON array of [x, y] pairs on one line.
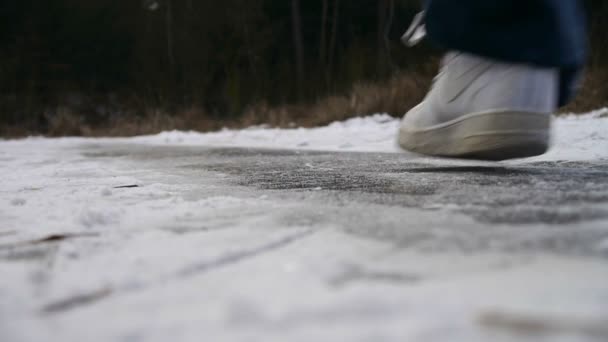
[[576, 137], [34, 171], [138, 248]]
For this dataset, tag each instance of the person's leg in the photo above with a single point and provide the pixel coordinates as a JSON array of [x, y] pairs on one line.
[[501, 81], [545, 33]]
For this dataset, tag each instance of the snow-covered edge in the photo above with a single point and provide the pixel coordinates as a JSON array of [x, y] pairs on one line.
[[576, 137]]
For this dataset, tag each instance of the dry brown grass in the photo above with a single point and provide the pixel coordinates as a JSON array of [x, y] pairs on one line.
[[394, 96], [155, 120], [593, 93], [66, 122]]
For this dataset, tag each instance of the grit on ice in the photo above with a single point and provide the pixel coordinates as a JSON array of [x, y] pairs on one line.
[[262, 234]]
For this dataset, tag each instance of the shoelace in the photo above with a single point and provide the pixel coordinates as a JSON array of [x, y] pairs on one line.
[[416, 32]]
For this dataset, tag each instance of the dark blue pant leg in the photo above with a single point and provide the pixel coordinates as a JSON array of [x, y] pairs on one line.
[[548, 33]]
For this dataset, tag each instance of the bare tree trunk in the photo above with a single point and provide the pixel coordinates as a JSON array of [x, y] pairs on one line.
[[170, 52], [298, 44], [332, 44], [251, 58], [387, 32], [386, 11], [323, 40], [380, 47], [186, 61]]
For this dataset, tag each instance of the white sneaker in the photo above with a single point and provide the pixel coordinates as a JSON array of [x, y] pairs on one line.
[[483, 109]]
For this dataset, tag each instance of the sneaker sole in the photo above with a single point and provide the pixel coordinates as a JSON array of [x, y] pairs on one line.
[[496, 135]]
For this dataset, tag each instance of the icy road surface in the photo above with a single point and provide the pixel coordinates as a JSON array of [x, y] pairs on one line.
[[167, 238]]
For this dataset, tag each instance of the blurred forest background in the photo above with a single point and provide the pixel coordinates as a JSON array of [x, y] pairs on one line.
[[124, 67]]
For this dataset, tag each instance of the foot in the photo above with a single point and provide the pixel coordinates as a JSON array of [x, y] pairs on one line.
[[483, 109]]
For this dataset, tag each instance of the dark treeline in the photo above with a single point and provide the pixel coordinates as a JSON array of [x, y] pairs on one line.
[[102, 56]]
